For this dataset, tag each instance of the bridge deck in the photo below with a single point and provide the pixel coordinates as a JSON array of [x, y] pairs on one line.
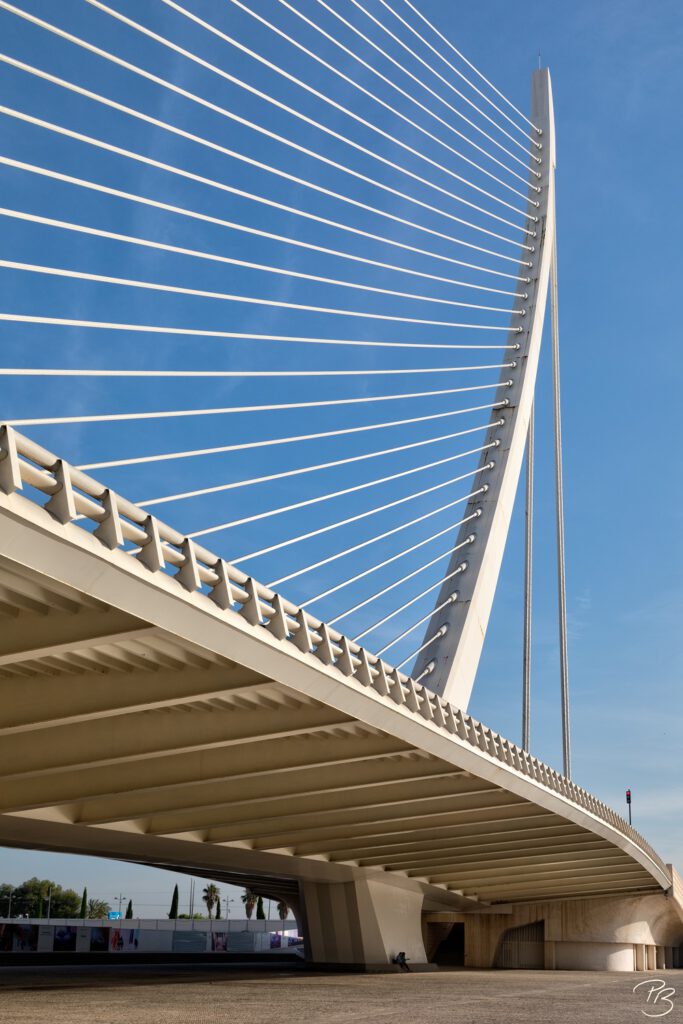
[[141, 721]]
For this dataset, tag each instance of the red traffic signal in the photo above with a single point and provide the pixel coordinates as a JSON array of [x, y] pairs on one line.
[[628, 796]]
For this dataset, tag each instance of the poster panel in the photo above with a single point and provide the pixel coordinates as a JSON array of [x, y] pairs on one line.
[[99, 940], [25, 939], [219, 942], [65, 939], [6, 935], [124, 940]]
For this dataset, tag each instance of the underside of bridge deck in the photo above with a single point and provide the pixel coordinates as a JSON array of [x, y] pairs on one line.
[[110, 723], [138, 723]]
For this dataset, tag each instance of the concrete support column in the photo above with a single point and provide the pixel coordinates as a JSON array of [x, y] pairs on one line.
[[549, 955], [362, 921], [660, 958], [640, 958], [651, 958]]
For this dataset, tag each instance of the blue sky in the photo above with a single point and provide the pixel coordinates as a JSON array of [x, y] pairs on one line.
[[617, 82]]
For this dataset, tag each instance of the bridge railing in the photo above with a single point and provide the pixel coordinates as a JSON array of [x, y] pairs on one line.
[[77, 498]]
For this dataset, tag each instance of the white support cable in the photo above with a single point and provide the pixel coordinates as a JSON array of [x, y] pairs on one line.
[[369, 67], [20, 371], [459, 73], [427, 671], [232, 261], [437, 74], [239, 335], [305, 503], [339, 523], [349, 81], [371, 540], [283, 474], [441, 631], [247, 229], [473, 67], [80, 275], [233, 80], [231, 409], [424, 619], [247, 445], [388, 561], [397, 583], [423, 85], [259, 129], [305, 183], [406, 632], [408, 604]]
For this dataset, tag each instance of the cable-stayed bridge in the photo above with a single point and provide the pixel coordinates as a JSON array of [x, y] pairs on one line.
[[284, 268]]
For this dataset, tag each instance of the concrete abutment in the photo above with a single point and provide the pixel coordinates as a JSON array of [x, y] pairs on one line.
[[626, 933]]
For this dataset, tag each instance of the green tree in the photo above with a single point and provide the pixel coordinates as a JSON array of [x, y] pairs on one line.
[[249, 900], [260, 912], [35, 895], [210, 896], [129, 910], [218, 908], [173, 912], [98, 909], [63, 902], [84, 904]]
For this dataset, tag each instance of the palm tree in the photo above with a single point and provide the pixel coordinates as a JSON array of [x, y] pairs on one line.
[[249, 900], [210, 896], [98, 908], [282, 912]]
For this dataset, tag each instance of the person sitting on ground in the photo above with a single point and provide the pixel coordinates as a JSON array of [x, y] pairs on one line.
[[402, 960]]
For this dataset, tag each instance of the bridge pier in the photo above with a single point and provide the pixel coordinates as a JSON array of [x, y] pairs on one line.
[[362, 922]]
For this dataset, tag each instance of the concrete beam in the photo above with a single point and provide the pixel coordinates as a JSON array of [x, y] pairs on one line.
[[361, 818], [213, 804], [496, 824], [60, 700], [139, 737], [189, 772], [343, 803]]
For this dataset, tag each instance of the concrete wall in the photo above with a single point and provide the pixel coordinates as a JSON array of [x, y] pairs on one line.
[[22, 935], [603, 934]]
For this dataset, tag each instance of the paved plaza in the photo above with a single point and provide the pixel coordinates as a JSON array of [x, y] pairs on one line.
[[200, 995]]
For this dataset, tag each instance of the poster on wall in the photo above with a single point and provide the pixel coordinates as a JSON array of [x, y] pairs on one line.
[[25, 939], [65, 939], [124, 940], [99, 940], [6, 934], [219, 942]]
